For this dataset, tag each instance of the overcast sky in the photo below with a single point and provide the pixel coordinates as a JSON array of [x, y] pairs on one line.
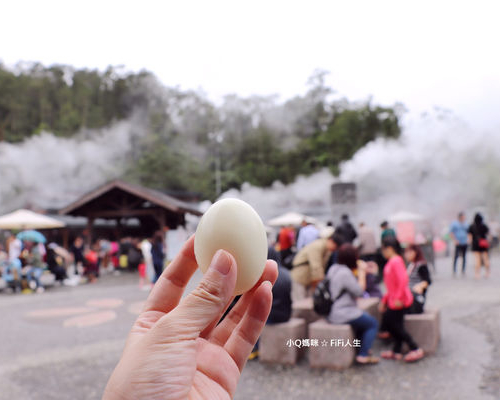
[[421, 53]]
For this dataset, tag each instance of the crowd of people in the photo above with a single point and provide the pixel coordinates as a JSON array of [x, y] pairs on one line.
[[352, 262], [24, 262], [354, 265]]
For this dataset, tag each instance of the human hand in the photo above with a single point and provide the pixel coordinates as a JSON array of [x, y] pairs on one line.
[[398, 304], [176, 350], [362, 266], [418, 289], [371, 268], [382, 307]]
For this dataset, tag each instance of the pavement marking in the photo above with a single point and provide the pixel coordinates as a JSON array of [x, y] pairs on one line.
[[58, 312], [105, 303], [92, 319]]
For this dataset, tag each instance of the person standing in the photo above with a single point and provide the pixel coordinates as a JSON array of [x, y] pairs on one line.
[[77, 249], [146, 247], [367, 246], [286, 240], [478, 235], [307, 234], [396, 302], [347, 230], [158, 254], [459, 235], [386, 231]]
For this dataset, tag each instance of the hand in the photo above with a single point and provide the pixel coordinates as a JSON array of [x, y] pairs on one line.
[[313, 284], [371, 268], [382, 307], [176, 350], [418, 289], [362, 266], [398, 304]]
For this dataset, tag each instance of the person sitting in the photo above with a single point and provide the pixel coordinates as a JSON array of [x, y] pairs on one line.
[[372, 281], [396, 302], [281, 309], [345, 288], [419, 277], [12, 274], [33, 266], [55, 263]]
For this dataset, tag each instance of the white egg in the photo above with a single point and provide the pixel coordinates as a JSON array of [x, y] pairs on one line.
[[234, 226]]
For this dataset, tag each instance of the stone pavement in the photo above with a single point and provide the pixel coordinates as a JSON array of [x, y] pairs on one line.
[[64, 343]]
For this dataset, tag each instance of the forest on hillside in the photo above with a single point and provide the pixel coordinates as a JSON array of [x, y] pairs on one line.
[[186, 136]]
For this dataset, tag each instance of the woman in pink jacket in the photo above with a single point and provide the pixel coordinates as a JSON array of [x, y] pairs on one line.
[[396, 302]]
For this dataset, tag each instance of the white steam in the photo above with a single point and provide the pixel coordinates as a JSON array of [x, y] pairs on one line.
[[49, 172], [438, 167]]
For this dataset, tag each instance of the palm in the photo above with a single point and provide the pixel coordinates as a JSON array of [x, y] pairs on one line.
[[213, 373], [216, 373]]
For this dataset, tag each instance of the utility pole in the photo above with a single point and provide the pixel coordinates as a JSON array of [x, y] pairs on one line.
[[217, 138]]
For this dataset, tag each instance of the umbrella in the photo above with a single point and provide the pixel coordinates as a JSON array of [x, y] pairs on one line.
[[290, 218], [26, 219], [31, 236]]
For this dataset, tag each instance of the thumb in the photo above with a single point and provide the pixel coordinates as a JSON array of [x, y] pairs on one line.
[[204, 304]]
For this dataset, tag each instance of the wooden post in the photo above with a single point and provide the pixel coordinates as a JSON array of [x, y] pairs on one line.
[[65, 236], [90, 223], [160, 218]]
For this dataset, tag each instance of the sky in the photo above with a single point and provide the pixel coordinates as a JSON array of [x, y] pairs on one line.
[[423, 54]]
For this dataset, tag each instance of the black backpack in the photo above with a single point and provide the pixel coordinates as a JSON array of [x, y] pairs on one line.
[[322, 297]]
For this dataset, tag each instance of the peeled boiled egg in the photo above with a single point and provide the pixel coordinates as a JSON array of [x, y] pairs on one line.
[[234, 226]]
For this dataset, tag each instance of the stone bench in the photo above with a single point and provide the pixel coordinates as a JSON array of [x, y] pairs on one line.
[[370, 305], [305, 309], [273, 346], [424, 329], [332, 350]]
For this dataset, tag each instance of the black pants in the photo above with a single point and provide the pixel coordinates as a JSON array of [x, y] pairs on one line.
[[394, 322], [158, 270], [460, 250]]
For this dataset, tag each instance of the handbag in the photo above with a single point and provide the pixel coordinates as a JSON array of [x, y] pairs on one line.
[[484, 244], [322, 298]]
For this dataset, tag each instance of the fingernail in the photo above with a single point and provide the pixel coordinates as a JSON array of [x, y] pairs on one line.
[[221, 262], [268, 284]]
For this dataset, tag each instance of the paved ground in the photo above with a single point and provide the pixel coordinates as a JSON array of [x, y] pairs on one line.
[[64, 343]]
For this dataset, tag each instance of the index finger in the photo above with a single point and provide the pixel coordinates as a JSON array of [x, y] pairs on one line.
[[170, 286]]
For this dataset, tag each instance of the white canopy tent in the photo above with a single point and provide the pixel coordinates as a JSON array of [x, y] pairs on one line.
[[290, 218], [406, 216], [26, 219]]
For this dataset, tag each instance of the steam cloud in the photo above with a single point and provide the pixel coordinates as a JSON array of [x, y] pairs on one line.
[[438, 167], [49, 172]]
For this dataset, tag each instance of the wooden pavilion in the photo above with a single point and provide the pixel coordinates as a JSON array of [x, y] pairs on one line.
[[120, 201]]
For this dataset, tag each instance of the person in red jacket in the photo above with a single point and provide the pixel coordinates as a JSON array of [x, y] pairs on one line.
[[396, 302]]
